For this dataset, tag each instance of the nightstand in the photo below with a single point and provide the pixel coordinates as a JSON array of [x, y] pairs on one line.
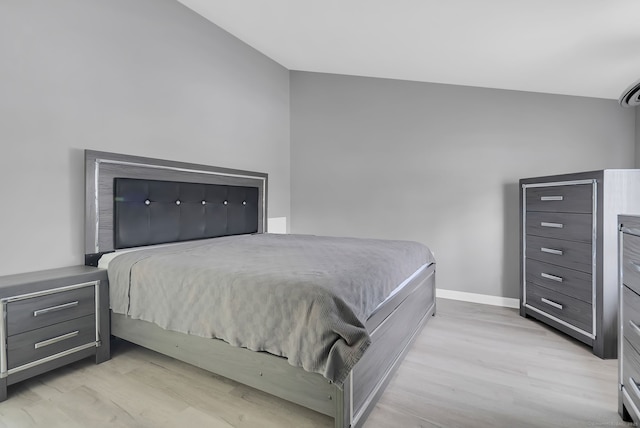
[[52, 318]]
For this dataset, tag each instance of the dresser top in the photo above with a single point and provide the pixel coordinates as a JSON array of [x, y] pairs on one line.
[[585, 175]]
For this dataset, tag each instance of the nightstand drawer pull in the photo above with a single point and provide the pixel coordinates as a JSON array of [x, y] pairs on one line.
[[547, 224], [55, 308], [56, 339], [551, 277], [551, 251], [551, 198], [551, 303]]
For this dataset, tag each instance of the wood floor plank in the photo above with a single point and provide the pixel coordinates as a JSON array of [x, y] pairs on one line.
[[471, 366], [93, 408], [485, 366]]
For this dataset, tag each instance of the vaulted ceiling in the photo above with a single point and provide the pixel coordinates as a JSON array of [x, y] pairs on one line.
[[574, 47]]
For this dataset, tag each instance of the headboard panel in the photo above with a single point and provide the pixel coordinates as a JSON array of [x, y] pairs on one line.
[[154, 212], [102, 169]]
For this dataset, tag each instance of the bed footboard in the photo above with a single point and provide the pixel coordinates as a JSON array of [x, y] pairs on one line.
[[349, 406]]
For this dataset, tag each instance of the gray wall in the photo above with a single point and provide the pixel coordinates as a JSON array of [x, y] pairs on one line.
[[145, 77], [439, 164]]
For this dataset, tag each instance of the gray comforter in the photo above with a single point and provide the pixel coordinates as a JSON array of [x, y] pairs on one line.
[[302, 297]]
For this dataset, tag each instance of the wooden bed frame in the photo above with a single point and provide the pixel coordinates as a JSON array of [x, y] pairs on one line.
[[393, 326]]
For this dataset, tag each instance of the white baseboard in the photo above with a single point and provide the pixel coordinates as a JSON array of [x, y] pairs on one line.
[[485, 299]]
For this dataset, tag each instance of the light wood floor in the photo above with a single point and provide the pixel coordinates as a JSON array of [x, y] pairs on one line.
[[472, 366]]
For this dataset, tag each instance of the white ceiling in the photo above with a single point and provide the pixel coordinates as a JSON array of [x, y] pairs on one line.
[[574, 47]]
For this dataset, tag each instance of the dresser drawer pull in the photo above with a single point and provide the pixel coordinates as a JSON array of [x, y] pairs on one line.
[[630, 231], [634, 387], [547, 224], [56, 339], [55, 308], [551, 251], [551, 277], [635, 327], [551, 303], [551, 198]]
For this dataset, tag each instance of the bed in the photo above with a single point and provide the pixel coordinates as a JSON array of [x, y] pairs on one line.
[[158, 214]]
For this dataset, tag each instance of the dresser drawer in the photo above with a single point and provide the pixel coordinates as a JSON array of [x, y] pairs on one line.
[[577, 198], [571, 282], [631, 262], [36, 312], [631, 371], [37, 344], [571, 254], [631, 317], [573, 227], [571, 310]]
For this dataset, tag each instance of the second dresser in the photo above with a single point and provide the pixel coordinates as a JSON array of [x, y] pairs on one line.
[[568, 250]]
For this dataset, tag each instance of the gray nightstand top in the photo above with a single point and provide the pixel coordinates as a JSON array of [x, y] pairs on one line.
[[45, 279]]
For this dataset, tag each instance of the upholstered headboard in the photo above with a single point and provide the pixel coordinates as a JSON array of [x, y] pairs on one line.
[[154, 212], [134, 201]]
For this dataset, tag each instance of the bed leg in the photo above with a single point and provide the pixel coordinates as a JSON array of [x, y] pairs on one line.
[[343, 404], [3, 389]]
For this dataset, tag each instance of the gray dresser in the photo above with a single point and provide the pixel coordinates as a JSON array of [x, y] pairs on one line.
[[629, 361], [568, 263]]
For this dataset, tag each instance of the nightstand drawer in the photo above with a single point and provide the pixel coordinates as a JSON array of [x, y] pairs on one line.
[[572, 227], [631, 261], [35, 312], [576, 198], [570, 310], [631, 317], [570, 282], [37, 344], [571, 254]]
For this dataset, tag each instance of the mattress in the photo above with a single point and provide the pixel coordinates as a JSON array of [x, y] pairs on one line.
[[305, 298]]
